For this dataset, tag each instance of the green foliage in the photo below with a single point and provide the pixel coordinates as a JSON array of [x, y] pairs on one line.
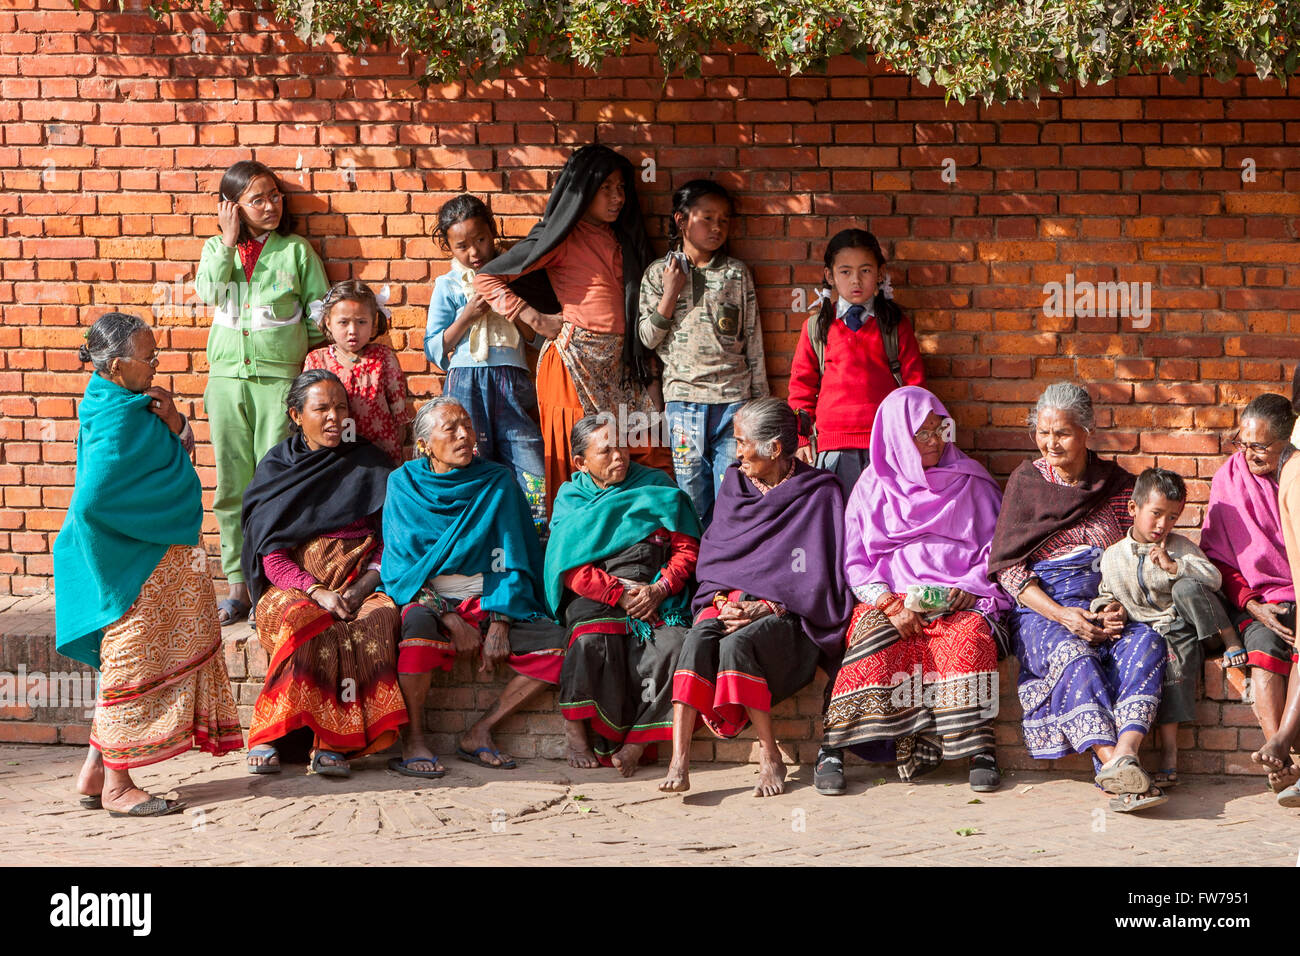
[[988, 49]]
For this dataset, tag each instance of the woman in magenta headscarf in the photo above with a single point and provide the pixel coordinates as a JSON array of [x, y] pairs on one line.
[[921, 675]]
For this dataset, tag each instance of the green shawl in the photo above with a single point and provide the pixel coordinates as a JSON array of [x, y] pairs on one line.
[[589, 524], [135, 495]]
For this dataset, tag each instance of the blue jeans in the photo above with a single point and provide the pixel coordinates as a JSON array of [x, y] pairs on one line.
[[703, 446], [502, 404]]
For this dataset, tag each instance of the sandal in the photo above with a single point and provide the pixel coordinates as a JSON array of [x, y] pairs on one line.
[[153, 807], [1131, 802], [1165, 778], [91, 801], [1123, 775], [403, 766], [1236, 658], [1290, 797], [828, 775], [476, 757], [330, 770], [235, 611], [267, 751], [984, 774]]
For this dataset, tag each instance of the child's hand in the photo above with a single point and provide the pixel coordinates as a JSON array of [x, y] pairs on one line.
[[228, 218], [1113, 618], [1159, 555], [476, 307], [805, 454], [674, 283]]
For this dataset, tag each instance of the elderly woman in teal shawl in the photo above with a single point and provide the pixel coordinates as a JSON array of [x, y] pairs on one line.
[[132, 597], [462, 561], [624, 540]]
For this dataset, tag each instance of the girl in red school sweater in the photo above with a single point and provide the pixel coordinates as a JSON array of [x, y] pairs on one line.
[[857, 349]]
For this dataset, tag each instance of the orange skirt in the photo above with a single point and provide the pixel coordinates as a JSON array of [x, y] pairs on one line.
[[337, 677], [561, 407]]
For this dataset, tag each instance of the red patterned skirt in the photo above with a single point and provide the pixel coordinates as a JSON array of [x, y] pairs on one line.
[[337, 677], [934, 696]]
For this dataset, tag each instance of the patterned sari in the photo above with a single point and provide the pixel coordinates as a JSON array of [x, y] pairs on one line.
[[337, 677], [163, 683], [934, 696]]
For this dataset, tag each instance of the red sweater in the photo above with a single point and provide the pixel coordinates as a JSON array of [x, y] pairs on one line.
[[843, 403]]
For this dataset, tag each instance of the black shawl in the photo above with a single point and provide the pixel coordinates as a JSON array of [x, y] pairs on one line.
[[297, 494], [575, 187]]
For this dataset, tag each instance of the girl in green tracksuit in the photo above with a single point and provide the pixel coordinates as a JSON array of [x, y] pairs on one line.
[[260, 280]]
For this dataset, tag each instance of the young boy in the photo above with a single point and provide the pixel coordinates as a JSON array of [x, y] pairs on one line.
[[1165, 581]]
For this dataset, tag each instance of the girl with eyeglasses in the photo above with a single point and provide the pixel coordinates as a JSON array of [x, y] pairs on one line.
[[260, 280]]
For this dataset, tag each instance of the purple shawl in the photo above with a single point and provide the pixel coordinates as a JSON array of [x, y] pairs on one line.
[[1242, 529], [785, 546], [907, 524]]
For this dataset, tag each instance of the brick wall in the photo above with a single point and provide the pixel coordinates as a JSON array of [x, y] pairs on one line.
[[116, 129]]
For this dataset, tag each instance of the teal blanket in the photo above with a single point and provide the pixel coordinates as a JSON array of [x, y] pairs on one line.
[[471, 520], [589, 524], [135, 495]]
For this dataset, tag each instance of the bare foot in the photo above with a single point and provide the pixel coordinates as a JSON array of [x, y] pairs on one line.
[[1274, 755], [771, 777], [90, 782], [628, 756], [678, 779], [580, 755], [1279, 781]]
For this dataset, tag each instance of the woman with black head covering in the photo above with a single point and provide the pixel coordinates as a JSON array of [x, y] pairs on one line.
[[575, 278]]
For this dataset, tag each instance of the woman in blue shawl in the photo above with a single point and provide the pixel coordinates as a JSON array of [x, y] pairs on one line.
[[462, 561], [624, 539], [132, 597]]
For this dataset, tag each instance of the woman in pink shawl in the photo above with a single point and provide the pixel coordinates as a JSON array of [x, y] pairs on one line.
[[1242, 534], [922, 514]]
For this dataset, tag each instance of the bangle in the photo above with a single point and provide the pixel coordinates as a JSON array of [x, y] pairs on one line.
[[312, 588]]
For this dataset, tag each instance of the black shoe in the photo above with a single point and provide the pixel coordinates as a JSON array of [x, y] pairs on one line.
[[828, 775], [984, 775]]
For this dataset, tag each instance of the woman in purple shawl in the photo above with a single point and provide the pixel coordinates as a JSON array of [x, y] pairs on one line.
[[771, 603], [924, 678]]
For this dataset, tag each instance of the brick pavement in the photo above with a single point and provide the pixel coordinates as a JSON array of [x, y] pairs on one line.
[[534, 815]]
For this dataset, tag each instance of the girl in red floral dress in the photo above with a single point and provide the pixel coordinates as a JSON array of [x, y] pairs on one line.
[[352, 316]]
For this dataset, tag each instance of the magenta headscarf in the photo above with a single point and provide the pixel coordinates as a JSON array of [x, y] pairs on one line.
[[906, 524], [1243, 529]]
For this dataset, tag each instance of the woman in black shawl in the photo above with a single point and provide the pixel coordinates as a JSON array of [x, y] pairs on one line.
[[311, 560], [584, 261]]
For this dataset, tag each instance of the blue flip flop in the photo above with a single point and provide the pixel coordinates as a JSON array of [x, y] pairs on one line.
[[474, 757], [263, 750], [329, 770], [399, 765], [1238, 659]]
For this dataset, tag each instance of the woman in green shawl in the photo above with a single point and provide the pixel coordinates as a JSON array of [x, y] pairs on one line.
[[624, 540], [132, 596]]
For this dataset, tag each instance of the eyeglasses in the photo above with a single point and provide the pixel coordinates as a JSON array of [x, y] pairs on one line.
[[927, 435], [151, 360], [265, 202], [1258, 448]]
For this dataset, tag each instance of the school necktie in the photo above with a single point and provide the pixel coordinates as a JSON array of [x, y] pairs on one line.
[[853, 317]]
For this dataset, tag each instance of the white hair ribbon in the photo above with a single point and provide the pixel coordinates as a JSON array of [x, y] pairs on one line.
[[886, 287], [381, 302], [315, 310]]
